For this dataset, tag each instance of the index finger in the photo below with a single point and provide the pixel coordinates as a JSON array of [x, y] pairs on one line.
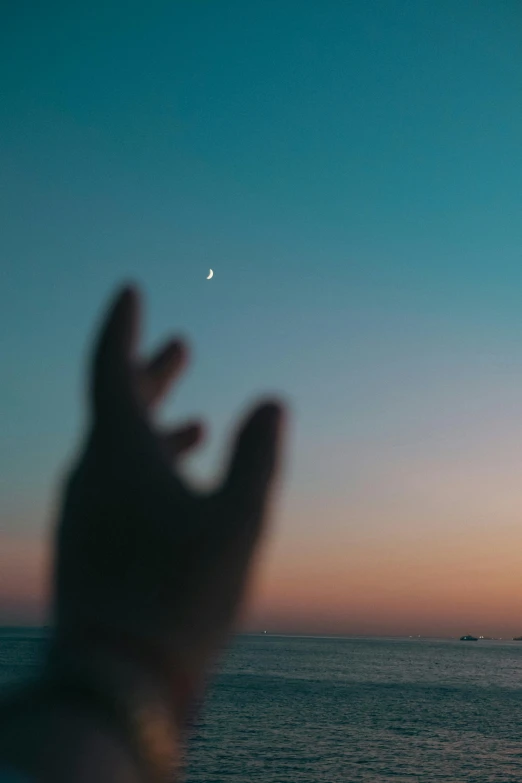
[[114, 352]]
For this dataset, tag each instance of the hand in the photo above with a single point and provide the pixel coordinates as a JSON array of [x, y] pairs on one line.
[[139, 553]]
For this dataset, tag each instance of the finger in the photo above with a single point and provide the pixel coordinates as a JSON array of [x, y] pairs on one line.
[[114, 351], [254, 463], [182, 440], [158, 373]]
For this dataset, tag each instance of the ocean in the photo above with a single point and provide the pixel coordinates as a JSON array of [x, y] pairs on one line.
[[309, 710]]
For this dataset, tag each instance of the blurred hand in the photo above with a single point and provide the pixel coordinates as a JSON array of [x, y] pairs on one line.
[[141, 555]]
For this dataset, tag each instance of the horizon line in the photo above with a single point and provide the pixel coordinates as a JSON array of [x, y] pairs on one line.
[[307, 635]]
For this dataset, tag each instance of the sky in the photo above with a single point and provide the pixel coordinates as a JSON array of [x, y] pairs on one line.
[[352, 172]]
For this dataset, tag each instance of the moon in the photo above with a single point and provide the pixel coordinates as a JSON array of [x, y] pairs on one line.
[[210, 274]]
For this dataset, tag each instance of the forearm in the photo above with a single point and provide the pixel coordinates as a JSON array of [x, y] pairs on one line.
[[58, 742]]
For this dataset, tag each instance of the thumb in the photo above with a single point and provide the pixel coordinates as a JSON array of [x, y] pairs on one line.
[[255, 462]]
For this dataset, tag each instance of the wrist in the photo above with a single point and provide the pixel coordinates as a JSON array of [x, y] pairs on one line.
[[56, 739], [182, 687], [129, 690]]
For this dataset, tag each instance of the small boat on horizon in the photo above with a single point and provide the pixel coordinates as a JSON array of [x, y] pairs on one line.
[[468, 638]]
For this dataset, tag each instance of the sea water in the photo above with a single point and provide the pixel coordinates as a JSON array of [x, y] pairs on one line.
[[312, 710]]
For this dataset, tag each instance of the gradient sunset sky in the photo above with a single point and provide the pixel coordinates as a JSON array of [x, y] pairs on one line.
[[352, 172]]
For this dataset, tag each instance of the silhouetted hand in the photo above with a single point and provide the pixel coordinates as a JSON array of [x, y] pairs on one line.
[[141, 555]]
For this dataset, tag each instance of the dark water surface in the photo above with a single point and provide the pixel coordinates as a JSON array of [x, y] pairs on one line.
[[313, 710]]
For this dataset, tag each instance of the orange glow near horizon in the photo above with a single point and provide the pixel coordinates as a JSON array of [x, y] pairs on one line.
[[24, 594], [363, 559], [429, 580]]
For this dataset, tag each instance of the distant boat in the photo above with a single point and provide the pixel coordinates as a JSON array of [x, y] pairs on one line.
[[468, 638]]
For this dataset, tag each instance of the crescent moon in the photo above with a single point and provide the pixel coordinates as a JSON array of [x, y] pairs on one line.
[[210, 274]]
